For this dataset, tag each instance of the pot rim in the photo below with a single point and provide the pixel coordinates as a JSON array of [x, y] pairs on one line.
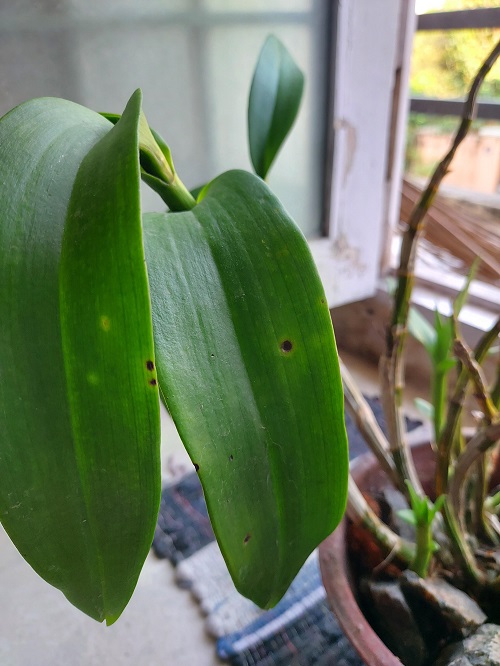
[[335, 576]]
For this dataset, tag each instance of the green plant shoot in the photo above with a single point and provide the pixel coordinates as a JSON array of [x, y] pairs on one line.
[[421, 515], [438, 342]]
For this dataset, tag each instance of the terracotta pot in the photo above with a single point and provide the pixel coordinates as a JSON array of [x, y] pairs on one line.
[[335, 569]]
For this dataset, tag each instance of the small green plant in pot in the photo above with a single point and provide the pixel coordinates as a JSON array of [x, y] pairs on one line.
[[445, 586], [215, 306]]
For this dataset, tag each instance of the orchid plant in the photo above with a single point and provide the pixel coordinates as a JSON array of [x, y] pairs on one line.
[[215, 307]]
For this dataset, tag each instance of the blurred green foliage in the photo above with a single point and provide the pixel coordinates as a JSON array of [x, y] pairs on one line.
[[445, 62]]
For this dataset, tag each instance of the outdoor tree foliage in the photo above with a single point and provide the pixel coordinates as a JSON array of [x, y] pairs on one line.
[[215, 305], [445, 61]]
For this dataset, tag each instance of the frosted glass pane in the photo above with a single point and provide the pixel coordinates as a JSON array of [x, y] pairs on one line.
[[258, 5], [193, 60], [127, 8], [295, 175], [165, 68], [33, 67], [21, 10]]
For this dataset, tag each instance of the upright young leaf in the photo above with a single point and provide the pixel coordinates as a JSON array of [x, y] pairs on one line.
[[273, 104], [248, 368], [421, 330], [461, 298], [79, 416]]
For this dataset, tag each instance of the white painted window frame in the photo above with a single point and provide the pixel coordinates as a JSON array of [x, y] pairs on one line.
[[368, 121]]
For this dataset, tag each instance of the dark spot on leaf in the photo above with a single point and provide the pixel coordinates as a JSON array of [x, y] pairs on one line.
[[322, 300], [286, 346], [231, 458], [196, 467], [152, 382], [247, 538], [150, 365], [212, 355]]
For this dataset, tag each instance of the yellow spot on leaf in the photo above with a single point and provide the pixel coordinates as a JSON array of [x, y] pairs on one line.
[[93, 378], [105, 323]]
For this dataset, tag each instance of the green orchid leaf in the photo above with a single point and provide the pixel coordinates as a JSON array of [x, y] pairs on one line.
[[425, 408], [273, 103], [79, 412], [421, 330], [438, 504], [461, 299], [445, 365], [408, 516], [247, 366]]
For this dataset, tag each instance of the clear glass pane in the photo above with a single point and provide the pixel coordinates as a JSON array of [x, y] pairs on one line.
[[444, 62], [464, 220]]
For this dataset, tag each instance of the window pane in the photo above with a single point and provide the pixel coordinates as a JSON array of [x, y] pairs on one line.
[[193, 60]]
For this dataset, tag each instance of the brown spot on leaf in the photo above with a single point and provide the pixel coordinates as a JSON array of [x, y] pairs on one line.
[[247, 538], [231, 458], [153, 382], [150, 365], [286, 346], [196, 467]]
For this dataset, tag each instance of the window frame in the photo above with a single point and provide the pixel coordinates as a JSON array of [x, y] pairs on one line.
[[372, 44]]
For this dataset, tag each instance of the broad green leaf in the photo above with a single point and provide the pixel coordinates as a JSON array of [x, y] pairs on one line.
[[274, 101], [248, 368], [79, 415]]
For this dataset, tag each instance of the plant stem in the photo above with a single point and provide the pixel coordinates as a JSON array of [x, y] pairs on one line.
[[479, 444], [420, 564], [392, 365], [359, 512], [449, 433], [158, 171], [439, 389], [415, 223], [493, 503], [392, 383], [466, 356], [495, 390], [461, 547], [174, 193], [485, 439], [367, 423], [157, 166]]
